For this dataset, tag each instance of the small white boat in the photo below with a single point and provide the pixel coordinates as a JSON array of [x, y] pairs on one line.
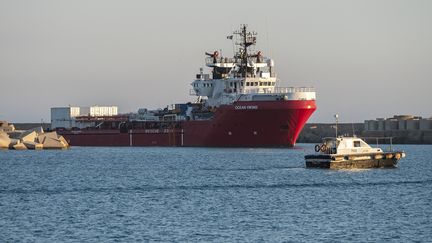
[[350, 153]]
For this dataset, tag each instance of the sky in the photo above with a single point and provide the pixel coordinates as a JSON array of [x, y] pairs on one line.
[[366, 58]]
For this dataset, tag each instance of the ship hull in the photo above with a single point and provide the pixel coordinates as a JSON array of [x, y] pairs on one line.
[[242, 124]]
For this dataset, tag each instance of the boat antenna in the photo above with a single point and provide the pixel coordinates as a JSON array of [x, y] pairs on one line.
[[337, 121], [352, 126]]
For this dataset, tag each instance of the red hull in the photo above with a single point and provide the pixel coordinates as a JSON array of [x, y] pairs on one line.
[[243, 124]]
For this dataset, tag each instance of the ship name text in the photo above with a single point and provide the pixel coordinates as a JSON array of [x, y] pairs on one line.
[[246, 107]]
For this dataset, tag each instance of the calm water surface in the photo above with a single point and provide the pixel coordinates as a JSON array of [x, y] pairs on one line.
[[209, 194]]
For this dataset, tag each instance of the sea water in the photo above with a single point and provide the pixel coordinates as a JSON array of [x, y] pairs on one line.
[[211, 195]]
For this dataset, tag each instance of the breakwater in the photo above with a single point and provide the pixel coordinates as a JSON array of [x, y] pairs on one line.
[[313, 132]]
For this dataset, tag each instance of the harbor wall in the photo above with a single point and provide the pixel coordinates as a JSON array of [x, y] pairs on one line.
[[314, 132]]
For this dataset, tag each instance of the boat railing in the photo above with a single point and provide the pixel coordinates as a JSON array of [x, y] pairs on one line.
[[211, 60], [378, 139], [278, 90], [264, 90], [284, 90]]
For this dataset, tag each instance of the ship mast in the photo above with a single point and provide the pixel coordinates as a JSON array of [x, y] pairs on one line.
[[247, 39]]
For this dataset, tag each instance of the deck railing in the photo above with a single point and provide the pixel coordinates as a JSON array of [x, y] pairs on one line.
[[210, 60], [377, 139], [278, 90]]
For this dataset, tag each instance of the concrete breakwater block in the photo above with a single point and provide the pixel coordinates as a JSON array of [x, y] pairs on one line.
[[13, 142], [19, 146], [34, 138], [52, 140], [28, 136], [4, 140], [33, 145]]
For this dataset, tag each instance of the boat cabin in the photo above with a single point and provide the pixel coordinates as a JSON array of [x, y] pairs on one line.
[[346, 145]]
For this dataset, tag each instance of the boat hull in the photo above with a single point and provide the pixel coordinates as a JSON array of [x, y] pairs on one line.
[[383, 160], [242, 124]]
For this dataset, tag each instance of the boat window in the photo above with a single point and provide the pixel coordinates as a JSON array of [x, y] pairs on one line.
[[357, 144]]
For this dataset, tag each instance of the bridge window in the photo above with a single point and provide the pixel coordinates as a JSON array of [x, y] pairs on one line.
[[357, 144]]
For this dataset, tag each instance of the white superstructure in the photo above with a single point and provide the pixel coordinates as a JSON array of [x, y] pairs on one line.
[[347, 146], [65, 117], [248, 76]]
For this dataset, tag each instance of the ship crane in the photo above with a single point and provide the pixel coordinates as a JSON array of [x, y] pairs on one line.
[[213, 55]]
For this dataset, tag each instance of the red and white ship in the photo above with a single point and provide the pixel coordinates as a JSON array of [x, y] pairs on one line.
[[239, 104]]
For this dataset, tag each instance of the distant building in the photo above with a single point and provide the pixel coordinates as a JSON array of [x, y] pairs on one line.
[[399, 123]]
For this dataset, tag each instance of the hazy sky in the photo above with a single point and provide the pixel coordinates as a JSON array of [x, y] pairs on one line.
[[367, 59]]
